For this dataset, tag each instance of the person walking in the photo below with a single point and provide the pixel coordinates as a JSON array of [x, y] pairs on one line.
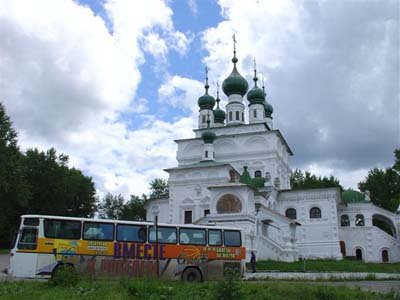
[[253, 261]]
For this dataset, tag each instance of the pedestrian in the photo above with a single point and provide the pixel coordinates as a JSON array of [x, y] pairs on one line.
[[253, 261]]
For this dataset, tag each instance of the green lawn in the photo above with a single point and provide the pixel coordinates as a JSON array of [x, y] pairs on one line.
[[150, 289], [327, 266], [4, 251]]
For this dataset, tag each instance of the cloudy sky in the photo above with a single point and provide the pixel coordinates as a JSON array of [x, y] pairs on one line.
[[111, 83]]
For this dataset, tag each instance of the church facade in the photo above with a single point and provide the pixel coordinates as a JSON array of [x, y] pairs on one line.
[[236, 173]]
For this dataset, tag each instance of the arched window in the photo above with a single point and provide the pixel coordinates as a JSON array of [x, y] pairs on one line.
[[291, 213], [385, 256], [315, 213], [359, 255], [229, 204], [257, 174], [344, 221], [360, 220]]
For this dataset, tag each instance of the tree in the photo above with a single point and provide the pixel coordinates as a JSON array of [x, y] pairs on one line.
[[111, 207], [384, 185], [306, 180], [14, 188], [134, 208], [56, 188], [159, 188]]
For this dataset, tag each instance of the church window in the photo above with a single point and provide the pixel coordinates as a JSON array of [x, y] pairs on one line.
[[230, 116], [188, 217], [360, 220], [237, 115], [203, 119], [206, 155], [206, 212], [315, 213], [255, 113], [344, 221], [257, 174], [243, 116], [291, 213], [229, 204]]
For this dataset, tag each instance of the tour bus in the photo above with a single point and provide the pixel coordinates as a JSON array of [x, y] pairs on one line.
[[46, 244]]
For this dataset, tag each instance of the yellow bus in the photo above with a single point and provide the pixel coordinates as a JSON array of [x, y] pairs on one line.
[[45, 244]]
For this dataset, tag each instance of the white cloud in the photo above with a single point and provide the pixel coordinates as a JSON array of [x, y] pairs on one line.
[[181, 92], [66, 77]]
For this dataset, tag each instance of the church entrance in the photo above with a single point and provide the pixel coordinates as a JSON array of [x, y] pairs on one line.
[[385, 256], [359, 254], [343, 248]]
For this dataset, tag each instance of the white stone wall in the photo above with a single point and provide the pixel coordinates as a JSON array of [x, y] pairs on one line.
[[261, 150], [316, 238], [369, 239]]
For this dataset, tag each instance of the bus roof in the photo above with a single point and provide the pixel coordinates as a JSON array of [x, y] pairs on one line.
[[128, 222]]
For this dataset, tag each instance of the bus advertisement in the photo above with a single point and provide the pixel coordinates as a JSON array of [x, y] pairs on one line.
[[45, 244]]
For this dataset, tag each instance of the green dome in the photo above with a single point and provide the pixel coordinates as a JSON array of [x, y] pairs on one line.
[[268, 109], [256, 95], [235, 83], [352, 196], [208, 137], [206, 101], [219, 114]]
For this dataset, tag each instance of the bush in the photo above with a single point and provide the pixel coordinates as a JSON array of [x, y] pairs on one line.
[[229, 288], [65, 276]]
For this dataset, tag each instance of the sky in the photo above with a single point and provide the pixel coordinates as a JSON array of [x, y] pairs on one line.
[[111, 83]]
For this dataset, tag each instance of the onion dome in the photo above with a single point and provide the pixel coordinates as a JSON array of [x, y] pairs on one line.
[[206, 101], [219, 114], [208, 136], [267, 107], [256, 95], [235, 83]]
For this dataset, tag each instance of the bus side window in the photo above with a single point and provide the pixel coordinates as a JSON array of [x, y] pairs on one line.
[[98, 231], [192, 236], [232, 238], [28, 239], [214, 237], [166, 235]]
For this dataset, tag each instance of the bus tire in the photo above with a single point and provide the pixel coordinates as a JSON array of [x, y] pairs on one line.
[[60, 267], [192, 274]]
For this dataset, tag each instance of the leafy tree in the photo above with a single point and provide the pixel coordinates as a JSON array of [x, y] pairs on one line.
[[384, 185], [159, 188], [134, 208], [306, 180], [56, 188], [14, 188], [111, 207]]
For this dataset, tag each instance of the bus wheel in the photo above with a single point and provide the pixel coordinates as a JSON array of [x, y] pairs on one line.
[[191, 275], [59, 269]]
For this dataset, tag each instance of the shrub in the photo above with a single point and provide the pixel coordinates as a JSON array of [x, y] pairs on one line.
[[65, 276], [229, 288]]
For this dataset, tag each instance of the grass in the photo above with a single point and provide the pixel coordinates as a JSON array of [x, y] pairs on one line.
[[151, 289], [344, 265], [4, 251]]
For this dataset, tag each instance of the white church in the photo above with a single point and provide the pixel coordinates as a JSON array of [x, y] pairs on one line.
[[237, 174]]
